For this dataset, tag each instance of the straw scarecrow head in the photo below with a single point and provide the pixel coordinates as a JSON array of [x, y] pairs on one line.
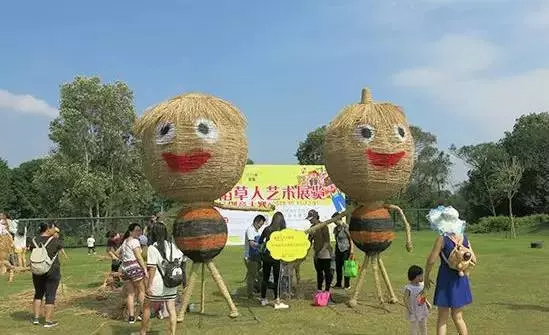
[[195, 147], [369, 150]]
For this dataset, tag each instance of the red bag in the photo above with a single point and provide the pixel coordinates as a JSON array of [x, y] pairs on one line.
[[321, 298]]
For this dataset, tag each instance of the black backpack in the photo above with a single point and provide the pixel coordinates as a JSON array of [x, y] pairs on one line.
[[174, 270]]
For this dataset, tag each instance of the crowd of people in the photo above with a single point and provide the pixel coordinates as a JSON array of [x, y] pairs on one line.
[[139, 258]]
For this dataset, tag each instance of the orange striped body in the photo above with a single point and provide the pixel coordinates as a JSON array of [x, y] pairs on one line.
[[372, 230], [201, 233]]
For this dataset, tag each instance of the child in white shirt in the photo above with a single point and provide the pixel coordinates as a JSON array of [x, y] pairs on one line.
[[417, 306], [91, 245]]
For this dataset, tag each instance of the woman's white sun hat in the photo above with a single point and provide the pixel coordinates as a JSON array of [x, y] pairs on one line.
[[446, 221]]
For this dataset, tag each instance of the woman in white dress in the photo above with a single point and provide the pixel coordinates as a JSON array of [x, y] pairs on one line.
[[161, 256]]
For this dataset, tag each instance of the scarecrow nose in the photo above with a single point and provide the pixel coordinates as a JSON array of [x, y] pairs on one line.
[[466, 256]]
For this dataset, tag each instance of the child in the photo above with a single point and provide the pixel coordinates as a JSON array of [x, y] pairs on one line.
[[91, 245], [416, 304]]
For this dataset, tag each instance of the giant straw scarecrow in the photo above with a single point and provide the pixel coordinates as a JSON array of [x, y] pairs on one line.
[[195, 150], [369, 154]]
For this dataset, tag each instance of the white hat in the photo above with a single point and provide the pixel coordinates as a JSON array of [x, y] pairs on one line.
[[445, 220]]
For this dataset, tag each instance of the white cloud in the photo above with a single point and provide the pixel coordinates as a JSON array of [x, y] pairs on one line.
[[25, 103], [458, 77]]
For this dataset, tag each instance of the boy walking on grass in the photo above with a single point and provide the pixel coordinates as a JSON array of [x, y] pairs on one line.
[[91, 245]]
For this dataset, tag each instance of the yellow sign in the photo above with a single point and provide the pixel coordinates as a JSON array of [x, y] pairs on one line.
[[305, 185], [288, 245]]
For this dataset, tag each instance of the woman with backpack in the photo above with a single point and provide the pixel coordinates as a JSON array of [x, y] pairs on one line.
[[134, 271], [46, 272], [270, 264], [165, 265], [452, 291]]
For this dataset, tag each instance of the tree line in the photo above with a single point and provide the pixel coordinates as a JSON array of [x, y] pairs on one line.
[[94, 167]]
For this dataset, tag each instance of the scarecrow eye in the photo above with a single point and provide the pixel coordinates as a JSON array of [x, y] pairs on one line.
[[206, 130], [400, 133], [165, 133], [365, 133]]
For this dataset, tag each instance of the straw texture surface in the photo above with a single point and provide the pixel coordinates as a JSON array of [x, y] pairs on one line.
[[369, 150], [6, 243], [194, 146]]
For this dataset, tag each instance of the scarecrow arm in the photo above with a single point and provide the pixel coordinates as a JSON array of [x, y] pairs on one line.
[[269, 208], [406, 225], [325, 223]]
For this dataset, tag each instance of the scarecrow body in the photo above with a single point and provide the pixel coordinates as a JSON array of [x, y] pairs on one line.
[[195, 150], [369, 153]]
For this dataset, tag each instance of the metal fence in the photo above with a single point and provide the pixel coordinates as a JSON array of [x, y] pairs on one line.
[[75, 230]]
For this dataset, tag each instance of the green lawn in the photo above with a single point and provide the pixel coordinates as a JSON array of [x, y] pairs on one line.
[[510, 297]]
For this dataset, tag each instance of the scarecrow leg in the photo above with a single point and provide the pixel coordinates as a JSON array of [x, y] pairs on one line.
[[393, 299], [360, 282], [188, 293], [223, 289], [203, 291], [376, 278]]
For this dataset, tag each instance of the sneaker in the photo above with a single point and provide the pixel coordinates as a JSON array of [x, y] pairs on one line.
[[131, 320], [347, 288], [35, 321], [139, 317], [264, 302], [50, 324], [281, 305]]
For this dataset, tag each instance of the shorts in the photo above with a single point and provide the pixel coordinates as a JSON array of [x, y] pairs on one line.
[[132, 271], [46, 285]]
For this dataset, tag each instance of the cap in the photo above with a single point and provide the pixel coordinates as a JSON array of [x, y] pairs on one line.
[[312, 214]]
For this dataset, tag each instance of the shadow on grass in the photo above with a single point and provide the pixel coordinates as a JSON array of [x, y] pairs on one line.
[[524, 307], [540, 228], [21, 316]]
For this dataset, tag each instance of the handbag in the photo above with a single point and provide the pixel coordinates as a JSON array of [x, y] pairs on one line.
[[350, 268], [321, 298]]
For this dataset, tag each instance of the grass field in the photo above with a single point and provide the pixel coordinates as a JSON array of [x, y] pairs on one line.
[[510, 290]]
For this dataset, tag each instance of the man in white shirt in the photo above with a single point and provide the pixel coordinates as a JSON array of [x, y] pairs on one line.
[[91, 245], [251, 252]]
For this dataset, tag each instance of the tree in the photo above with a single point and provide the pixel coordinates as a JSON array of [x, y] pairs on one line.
[[431, 171], [95, 170], [482, 185], [529, 142], [509, 174], [249, 162], [6, 194], [310, 151], [26, 196]]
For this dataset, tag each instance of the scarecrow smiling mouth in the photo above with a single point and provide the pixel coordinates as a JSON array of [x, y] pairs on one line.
[[382, 160], [186, 162]]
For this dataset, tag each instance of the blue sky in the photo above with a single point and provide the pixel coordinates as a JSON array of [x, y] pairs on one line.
[[461, 69]]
